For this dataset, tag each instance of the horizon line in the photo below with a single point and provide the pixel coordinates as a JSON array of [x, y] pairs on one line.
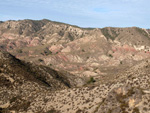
[[72, 24]]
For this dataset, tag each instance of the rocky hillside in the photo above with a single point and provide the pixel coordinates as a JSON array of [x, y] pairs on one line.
[[17, 76], [60, 68], [84, 52], [20, 70], [22, 91]]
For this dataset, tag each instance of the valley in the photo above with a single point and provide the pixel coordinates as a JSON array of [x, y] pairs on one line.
[[53, 67]]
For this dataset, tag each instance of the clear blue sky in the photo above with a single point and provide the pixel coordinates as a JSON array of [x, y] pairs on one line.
[[84, 13]]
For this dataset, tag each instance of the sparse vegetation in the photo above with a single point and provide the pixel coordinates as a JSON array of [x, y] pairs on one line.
[[141, 31], [112, 87], [120, 62], [70, 37], [19, 51], [40, 60], [136, 110], [92, 80], [109, 33], [50, 64], [83, 50], [110, 55], [52, 111], [47, 52]]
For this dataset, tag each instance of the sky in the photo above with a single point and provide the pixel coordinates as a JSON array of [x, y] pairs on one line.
[[83, 13]]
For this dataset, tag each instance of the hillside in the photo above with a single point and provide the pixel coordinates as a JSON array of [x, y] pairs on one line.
[[129, 92], [80, 51], [53, 67], [17, 77]]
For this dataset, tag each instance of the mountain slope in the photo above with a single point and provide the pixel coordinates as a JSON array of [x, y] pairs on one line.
[[31, 72], [84, 52], [21, 82], [57, 59], [129, 92]]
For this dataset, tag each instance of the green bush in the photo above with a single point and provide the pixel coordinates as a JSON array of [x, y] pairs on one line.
[[92, 80], [110, 55]]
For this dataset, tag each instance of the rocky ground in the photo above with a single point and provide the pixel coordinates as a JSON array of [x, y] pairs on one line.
[[128, 93]]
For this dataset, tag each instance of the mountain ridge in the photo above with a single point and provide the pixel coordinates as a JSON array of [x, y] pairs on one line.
[[59, 22]]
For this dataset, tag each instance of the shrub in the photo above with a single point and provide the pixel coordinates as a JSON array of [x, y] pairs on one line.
[[83, 50], [40, 60], [52, 111], [110, 55], [47, 52], [19, 50], [120, 62], [92, 80]]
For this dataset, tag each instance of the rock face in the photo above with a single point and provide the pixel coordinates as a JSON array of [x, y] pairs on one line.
[[56, 67]]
